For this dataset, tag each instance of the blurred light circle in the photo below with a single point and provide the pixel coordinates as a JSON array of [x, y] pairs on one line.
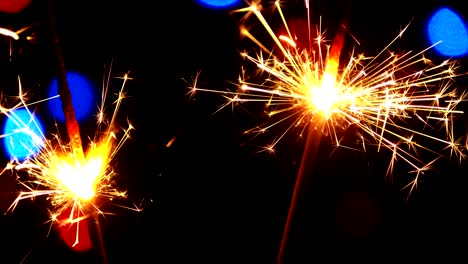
[[449, 28], [82, 93], [218, 3], [23, 134], [13, 6]]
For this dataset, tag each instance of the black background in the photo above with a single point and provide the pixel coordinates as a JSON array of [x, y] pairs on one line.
[[211, 197]]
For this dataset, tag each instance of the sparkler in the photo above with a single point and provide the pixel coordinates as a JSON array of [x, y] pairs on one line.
[[76, 181], [378, 96], [404, 103], [81, 185], [76, 188]]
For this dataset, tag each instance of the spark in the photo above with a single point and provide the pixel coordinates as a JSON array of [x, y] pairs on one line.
[[171, 141], [9, 33], [401, 102], [77, 186], [13, 34]]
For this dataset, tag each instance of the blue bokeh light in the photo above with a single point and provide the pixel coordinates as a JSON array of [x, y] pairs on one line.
[[23, 135], [218, 3], [82, 92], [449, 28]]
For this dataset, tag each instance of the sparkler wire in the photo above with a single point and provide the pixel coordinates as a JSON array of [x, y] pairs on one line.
[[303, 179], [72, 125], [73, 128], [311, 148]]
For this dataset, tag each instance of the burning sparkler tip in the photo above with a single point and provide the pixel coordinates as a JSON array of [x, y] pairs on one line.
[[378, 95]]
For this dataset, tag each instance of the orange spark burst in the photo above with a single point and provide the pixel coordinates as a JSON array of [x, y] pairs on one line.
[[76, 188], [404, 102]]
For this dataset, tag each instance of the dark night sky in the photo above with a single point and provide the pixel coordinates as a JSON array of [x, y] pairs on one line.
[[210, 195]]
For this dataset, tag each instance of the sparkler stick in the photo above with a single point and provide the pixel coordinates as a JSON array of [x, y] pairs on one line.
[[71, 123], [312, 145], [72, 126], [306, 169]]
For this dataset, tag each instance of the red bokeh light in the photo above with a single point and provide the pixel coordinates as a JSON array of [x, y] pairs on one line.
[[13, 6], [68, 232]]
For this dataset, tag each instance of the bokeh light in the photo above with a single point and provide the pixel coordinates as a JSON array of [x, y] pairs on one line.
[[218, 3], [13, 6], [22, 134], [82, 92], [447, 26]]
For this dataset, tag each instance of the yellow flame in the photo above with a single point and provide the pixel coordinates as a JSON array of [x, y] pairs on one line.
[[325, 98], [80, 178]]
